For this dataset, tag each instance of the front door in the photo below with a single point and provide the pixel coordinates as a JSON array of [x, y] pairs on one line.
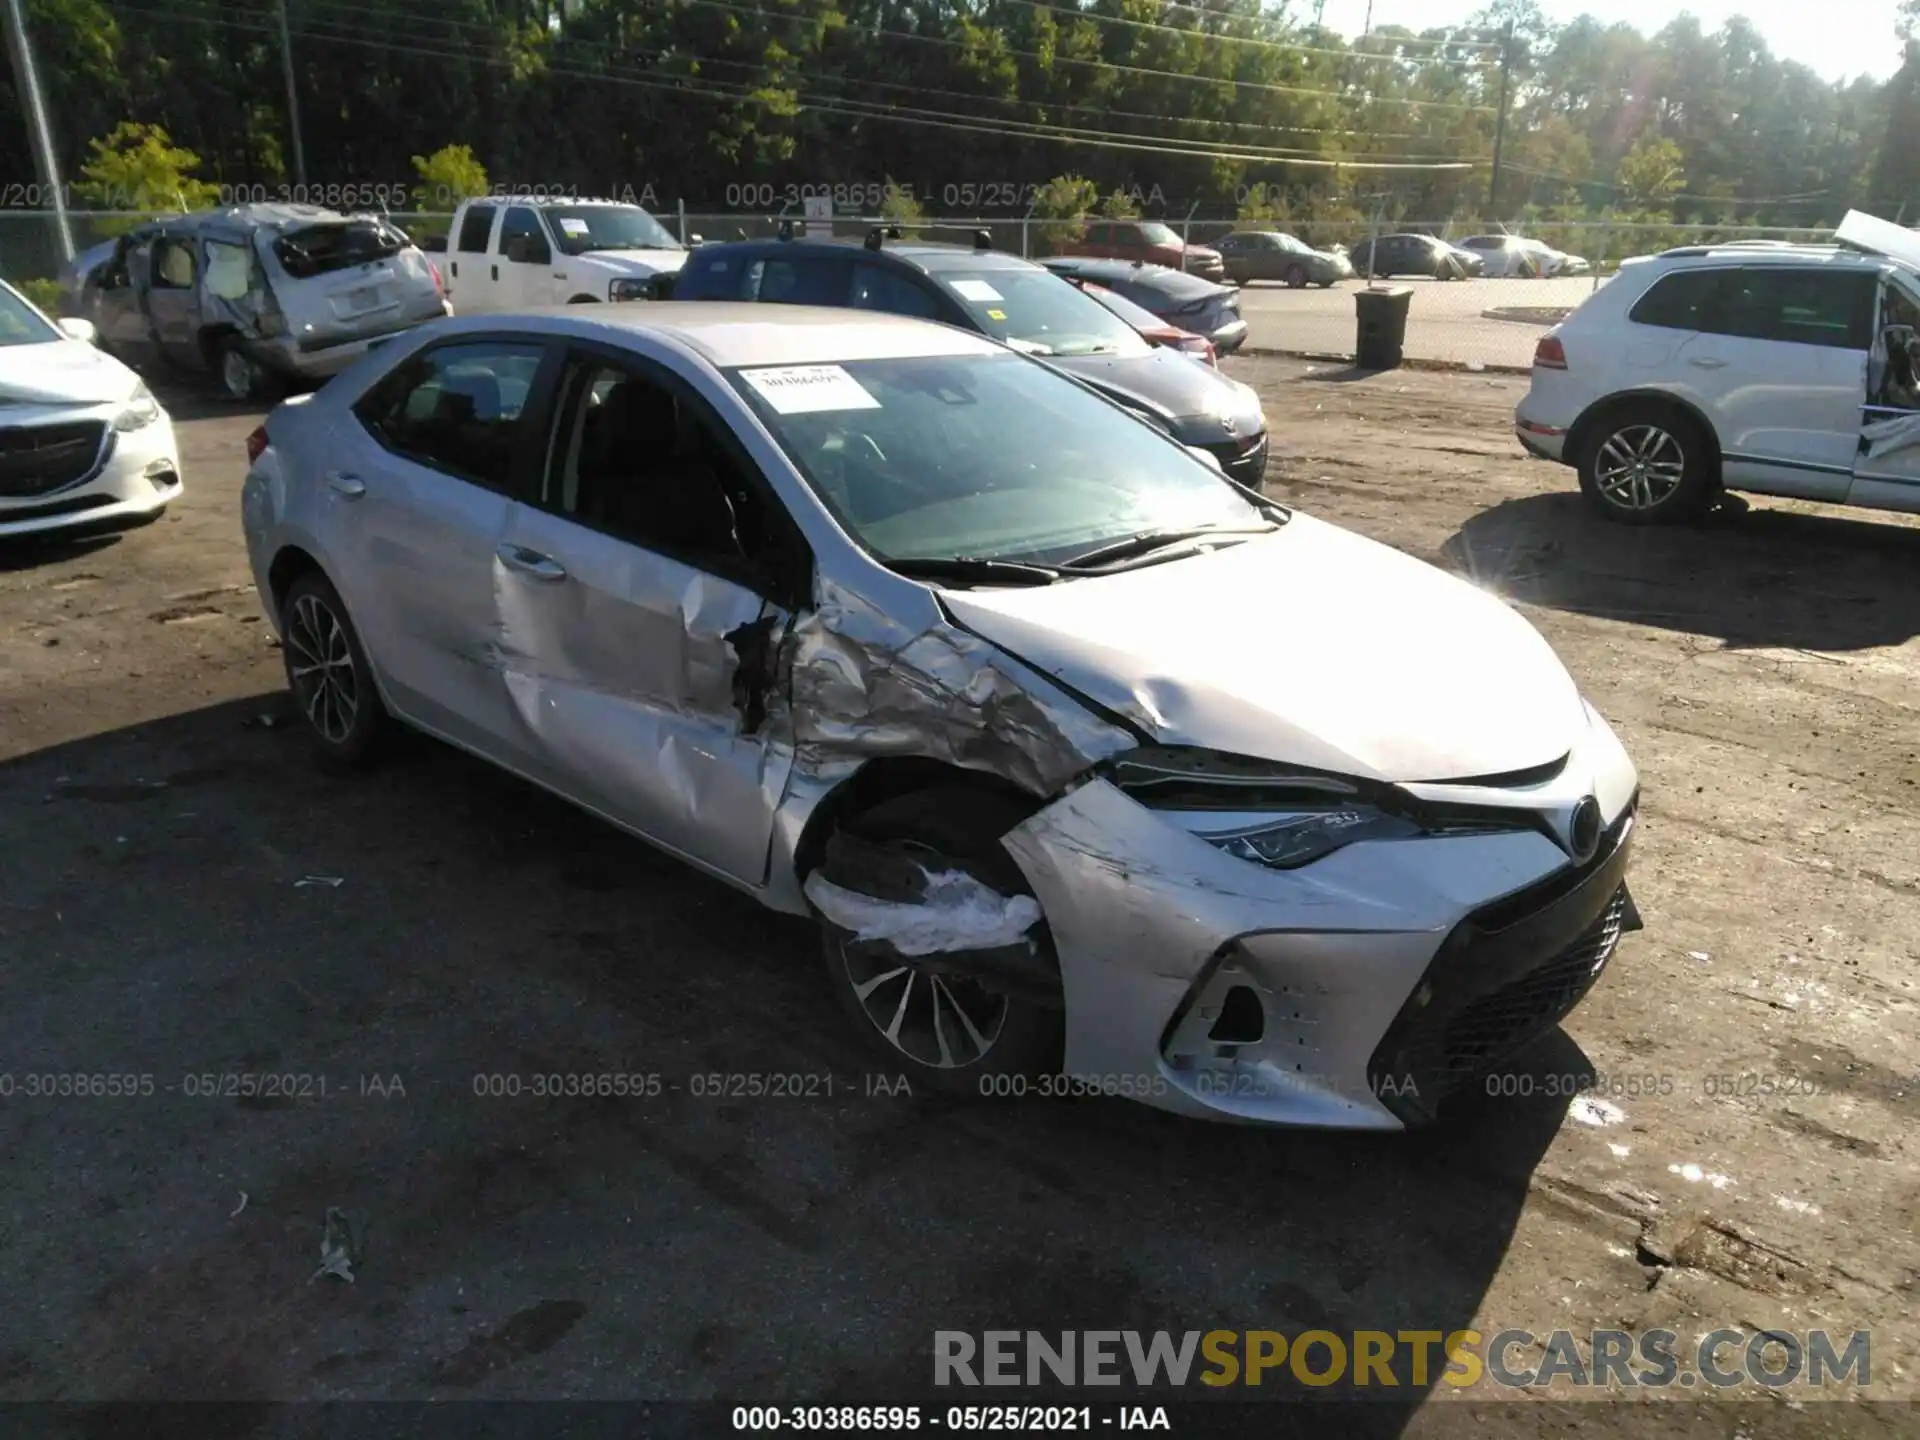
[[1781, 363], [636, 613], [173, 300], [418, 493], [120, 311], [472, 266], [526, 261], [1886, 472]]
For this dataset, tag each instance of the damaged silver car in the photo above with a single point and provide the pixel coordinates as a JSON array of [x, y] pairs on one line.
[[887, 624], [261, 296]]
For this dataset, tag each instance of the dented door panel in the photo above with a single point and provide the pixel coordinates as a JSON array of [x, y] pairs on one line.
[[625, 675]]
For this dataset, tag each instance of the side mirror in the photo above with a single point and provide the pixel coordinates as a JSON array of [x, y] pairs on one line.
[[77, 329], [696, 240]]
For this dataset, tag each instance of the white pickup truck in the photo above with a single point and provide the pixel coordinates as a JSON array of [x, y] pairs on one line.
[[506, 254]]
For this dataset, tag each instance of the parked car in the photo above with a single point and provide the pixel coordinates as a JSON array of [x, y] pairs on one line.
[[1152, 328], [1271, 255], [1013, 301], [1515, 256], [1783, 371], [1474, 265], [261, 296], [888, 625], [1195, 305], [509, 255], [82, 440], [1392, 255], [1148, 241]]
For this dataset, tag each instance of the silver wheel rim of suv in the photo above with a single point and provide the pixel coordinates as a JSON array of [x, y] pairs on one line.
[[320, 668], [1638, 467], [237, 371]]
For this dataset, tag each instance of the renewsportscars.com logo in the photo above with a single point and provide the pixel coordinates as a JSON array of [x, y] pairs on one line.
[[1385, 1360]]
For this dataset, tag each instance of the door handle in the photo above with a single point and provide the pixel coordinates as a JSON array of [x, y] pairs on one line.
[[453, 268], [496, 271], [1707, 362], [531, 563], [347, 487]]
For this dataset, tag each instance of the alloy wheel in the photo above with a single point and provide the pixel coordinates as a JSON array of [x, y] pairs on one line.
[[326, 683], [1638, 467], [237, 374]]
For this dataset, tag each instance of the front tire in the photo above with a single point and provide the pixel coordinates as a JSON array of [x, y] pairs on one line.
[[949, 1034], [328, 673], [1649, 465], [240, 374]]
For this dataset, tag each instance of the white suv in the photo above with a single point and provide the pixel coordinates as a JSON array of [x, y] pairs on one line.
[[1780, 369]]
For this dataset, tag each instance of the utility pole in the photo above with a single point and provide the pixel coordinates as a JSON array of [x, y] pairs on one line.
[[293, 100], [26, 81], [1367, 29], [1500, 123]]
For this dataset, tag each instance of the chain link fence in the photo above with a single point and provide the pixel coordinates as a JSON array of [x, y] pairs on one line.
[[1477, 323]]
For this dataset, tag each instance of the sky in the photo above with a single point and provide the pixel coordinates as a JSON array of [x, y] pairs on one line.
[[1836, 38]]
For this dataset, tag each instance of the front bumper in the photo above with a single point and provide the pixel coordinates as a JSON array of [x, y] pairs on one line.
[[134, 476], [1356, 992]]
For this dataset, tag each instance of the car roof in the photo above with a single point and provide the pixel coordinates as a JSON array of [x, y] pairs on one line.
[[729, 333], [1134, 272], [245, 218], [1779, 253]]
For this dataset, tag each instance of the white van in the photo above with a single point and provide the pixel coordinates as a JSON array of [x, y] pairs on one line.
[[509, 254]]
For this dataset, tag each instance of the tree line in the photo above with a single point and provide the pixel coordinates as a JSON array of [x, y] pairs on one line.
[[967, 107]]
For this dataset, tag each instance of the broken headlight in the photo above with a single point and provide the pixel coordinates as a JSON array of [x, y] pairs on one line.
[[140, 411], [1287, 841]]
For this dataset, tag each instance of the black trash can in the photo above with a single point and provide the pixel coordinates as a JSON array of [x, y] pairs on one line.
[[1382, 339]]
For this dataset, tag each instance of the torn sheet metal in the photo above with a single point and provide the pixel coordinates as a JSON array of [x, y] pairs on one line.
[[1897, 432], [864, 684], [1879, 237], [956, 912]]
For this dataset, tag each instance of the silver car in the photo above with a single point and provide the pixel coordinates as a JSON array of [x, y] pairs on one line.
[[260, 295], [885, 623]]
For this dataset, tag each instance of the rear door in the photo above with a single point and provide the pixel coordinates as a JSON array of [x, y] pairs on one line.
[[637, 594], [1781, 360], [472, 272], [422, 482]]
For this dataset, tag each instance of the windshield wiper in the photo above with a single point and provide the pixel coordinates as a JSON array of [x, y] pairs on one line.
[[1150, 540], [966, 569]]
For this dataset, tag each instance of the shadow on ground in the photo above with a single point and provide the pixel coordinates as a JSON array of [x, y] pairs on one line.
[[192, 900], [1750, 576]]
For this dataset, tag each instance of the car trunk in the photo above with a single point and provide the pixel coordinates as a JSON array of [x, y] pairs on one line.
[[352, 279]]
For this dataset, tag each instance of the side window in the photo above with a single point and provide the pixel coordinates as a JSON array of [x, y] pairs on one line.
[[1801, 306], [457, 408], [522, 239], [803, 282], [172, 265], [1100, 233], [639, 460], [1680, 301], [475, 229], [1127, 235], [875, 287]]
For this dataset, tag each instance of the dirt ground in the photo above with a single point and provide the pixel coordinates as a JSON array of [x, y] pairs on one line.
[[183, 894]]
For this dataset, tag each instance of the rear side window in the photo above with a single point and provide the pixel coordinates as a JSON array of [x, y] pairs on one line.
[[1680, 301], [875, 287], [798, 282], [457, 408], [1798, 305], [475, 229]]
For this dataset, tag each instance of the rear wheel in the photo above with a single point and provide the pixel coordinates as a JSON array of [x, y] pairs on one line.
[[932, 1016], [327, 671], [241, 376], [1647, 464], [1296, 277]]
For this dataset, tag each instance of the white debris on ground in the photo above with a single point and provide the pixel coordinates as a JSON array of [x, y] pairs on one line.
[[1589, 1111], [957, 912], [1797, 1207], [336, 1248], [1694, 1175]]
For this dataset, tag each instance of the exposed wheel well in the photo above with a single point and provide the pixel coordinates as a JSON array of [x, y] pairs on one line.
[[1602, 411], [885, 779], [288, 566], [584, 300], [213, 340]]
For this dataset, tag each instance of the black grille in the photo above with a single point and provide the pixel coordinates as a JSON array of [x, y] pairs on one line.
[[1243, 460], [39, 459], [1502, 979]]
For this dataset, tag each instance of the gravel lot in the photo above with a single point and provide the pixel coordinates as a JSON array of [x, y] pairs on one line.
[[156, 828], [1446, 321]]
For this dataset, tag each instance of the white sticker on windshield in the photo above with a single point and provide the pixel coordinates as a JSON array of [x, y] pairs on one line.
[[977, 290], [807, 389], [573, 226]]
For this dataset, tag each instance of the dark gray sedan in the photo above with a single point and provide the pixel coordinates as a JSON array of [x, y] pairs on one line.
[[1272, 255], [1197, 306]]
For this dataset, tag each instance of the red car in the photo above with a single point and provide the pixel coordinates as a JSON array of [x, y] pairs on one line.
[[1149, 242]]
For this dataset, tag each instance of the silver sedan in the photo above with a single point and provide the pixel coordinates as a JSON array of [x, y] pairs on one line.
[[887, 624]]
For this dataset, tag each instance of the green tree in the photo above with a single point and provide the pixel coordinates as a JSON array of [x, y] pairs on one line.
[[138, 168], [1652, 172], [448, 176], [1062, 205], [1119, 205], [898, 207]]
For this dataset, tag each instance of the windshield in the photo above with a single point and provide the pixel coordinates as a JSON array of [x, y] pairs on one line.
[[1154, 233], [1039, 312], [982, 457], [580, 228], [1293, 244], [322, 249], [21, 324]]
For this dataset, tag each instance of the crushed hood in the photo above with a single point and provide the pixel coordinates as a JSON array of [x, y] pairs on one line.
[[1311, 646], [637, 262], [62, 372], [1173, 387]]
